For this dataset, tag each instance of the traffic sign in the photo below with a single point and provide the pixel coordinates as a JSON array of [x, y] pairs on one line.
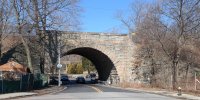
[[59, 65]]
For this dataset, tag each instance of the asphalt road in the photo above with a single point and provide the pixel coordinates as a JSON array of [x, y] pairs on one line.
[[97, 92]]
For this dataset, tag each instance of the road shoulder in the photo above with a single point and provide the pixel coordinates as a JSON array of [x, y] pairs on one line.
[[159, 92], [49, 90]]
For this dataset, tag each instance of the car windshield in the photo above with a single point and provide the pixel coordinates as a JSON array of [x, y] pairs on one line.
[[64, 76], [80, 77]]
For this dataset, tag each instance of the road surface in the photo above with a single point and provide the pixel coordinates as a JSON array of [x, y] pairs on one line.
[[97, 92]]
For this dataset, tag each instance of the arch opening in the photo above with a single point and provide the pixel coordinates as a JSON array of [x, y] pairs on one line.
[[101, 61]]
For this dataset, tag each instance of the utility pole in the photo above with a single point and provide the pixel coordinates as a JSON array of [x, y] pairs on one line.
[[59, 66]]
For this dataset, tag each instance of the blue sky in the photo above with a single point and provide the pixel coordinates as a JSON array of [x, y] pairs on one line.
[[99, 15]]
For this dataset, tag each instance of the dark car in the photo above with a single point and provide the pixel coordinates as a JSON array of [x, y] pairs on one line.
[[93, 78], [65, 79], [80, 79], [53, 80]]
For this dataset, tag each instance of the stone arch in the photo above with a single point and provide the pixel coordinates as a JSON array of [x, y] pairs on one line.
[[103, 63]]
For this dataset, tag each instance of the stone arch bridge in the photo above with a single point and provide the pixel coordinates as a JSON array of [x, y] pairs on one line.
[[110, 53]]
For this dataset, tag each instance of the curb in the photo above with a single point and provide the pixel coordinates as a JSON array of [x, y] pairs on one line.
[[15, 97], [35, 94], [168, 95]]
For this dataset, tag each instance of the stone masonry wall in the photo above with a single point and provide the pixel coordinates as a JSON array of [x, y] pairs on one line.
[[117, 47]]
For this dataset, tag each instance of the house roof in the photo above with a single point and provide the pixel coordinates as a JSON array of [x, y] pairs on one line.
[[14, 67]]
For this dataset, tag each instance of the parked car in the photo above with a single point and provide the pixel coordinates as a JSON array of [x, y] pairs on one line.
[[93, 78], [53, 80], [65, 79], [80, 79]]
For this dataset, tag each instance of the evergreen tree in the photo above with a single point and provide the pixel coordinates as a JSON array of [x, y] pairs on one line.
[[87, 65]]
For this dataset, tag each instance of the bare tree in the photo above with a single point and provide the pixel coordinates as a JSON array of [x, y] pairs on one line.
[[5, 13], [52, 15], [134, 19], [175, 34], [168, 28], [20, 16], [185, 19]]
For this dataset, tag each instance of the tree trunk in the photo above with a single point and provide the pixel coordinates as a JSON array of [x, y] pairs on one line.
[[88, 70], [36, 20], [42, 35], [2, 27], [1, 46], [42, 65], [153, 79], [53, 69], [174, 75], [19, 28], [186, 75], [28, 55]]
